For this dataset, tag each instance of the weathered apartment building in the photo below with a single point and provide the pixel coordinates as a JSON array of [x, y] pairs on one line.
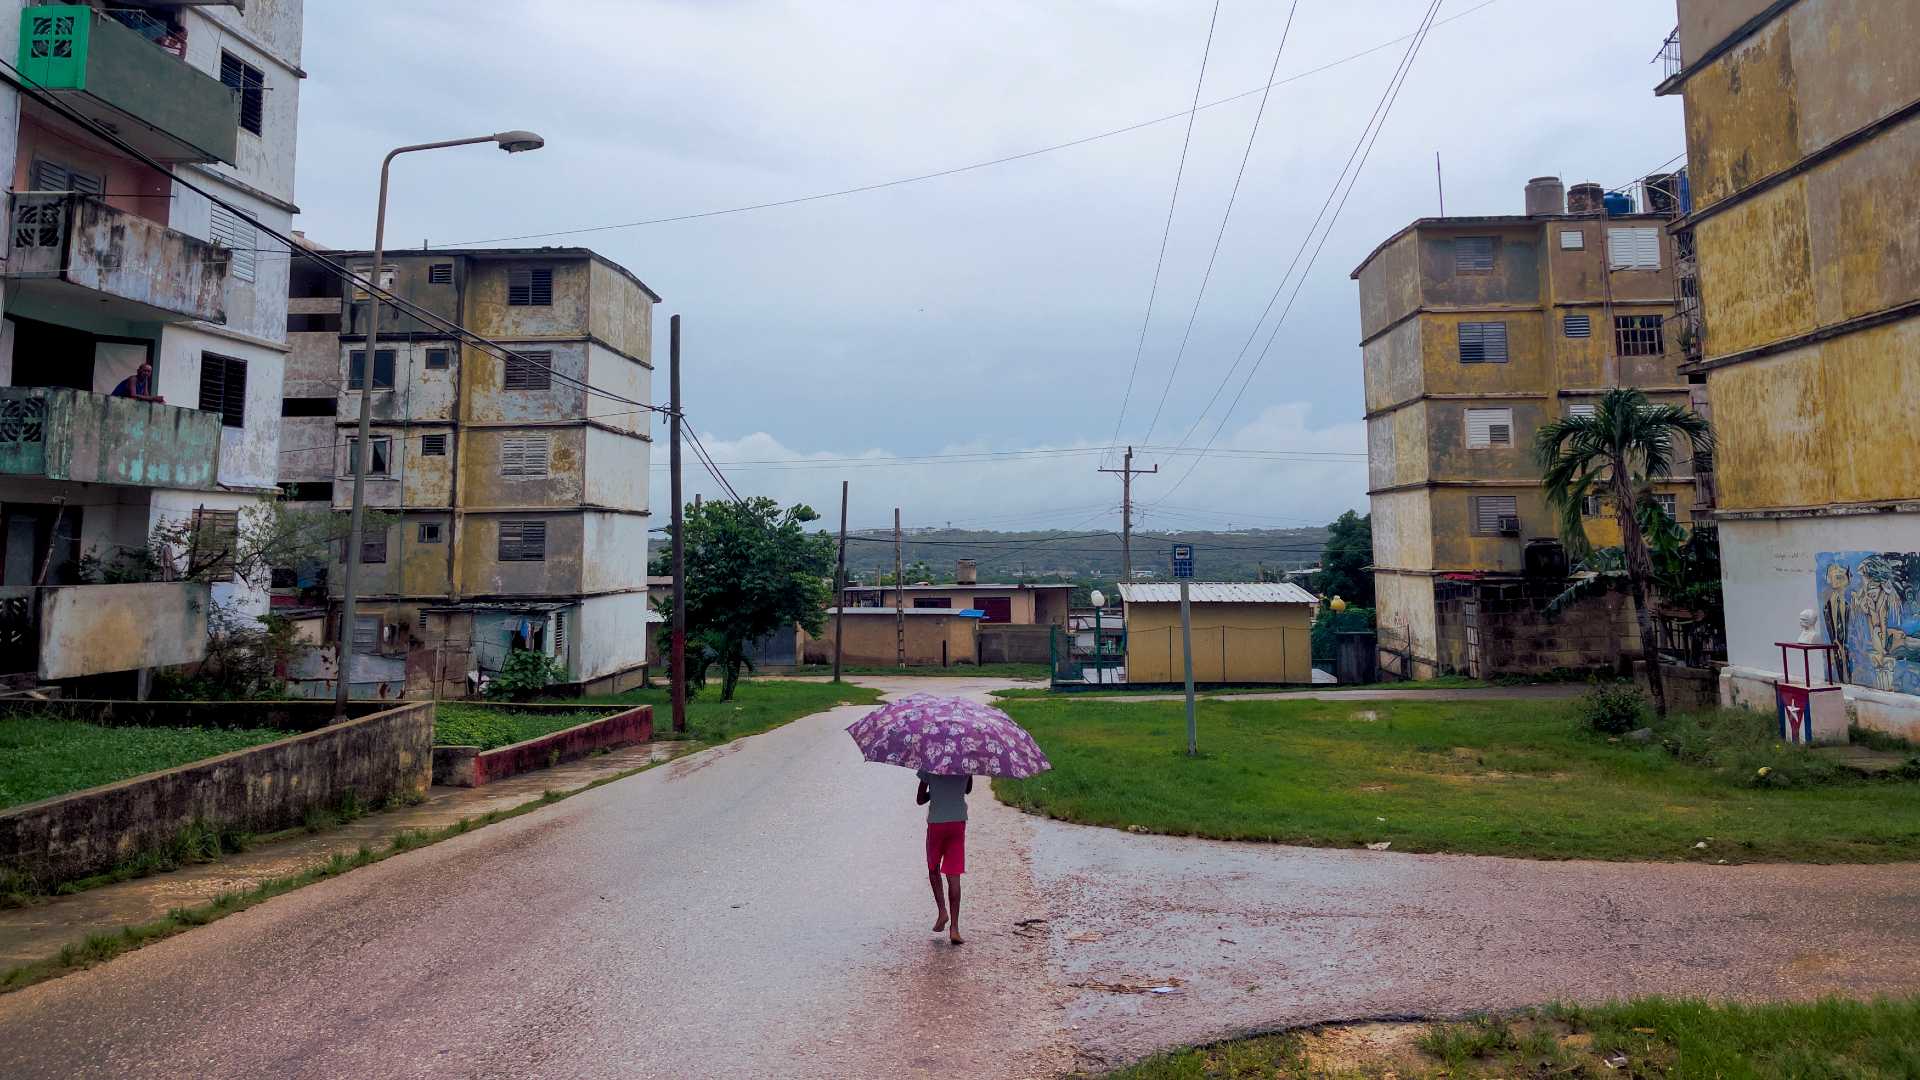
[[145, 326], [520, 499], [1803, 141], [1475, 331]]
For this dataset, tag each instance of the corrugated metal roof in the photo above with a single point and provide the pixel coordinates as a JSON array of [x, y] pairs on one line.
[[1217, 592], [890, 612]]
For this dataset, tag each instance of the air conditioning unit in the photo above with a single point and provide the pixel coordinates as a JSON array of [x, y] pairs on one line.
[[1509, 525]]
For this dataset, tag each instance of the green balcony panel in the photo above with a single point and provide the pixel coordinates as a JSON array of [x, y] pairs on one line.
[[111, 74], [55, 433]]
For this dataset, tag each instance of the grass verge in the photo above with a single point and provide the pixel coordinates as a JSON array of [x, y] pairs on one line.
[[42, 756], [1678, 1038], [1444, 682], [959, 671], [758, 705], [489, 727], [1514, 778], [101, 947]]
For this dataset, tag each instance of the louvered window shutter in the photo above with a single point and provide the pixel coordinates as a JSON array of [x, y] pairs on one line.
[[1489, 427], [1483, 343], [1587, 409], [1489, 509], [1577, 326]]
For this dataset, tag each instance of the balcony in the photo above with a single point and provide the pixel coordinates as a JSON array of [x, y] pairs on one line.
[[135, 88], [54, 433], [80, 630], [70, 247]]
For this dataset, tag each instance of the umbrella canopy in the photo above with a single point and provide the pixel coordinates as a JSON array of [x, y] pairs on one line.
[[948, 737]]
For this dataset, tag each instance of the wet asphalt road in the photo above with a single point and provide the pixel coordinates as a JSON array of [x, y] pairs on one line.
[[761, 910]]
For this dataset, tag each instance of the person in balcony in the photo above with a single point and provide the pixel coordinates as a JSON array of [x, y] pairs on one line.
[[138, 385]]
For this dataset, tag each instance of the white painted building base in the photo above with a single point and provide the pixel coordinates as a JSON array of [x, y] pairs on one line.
[[1895, 714]]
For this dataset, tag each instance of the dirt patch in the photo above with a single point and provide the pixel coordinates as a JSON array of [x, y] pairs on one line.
[[1343, 1050]]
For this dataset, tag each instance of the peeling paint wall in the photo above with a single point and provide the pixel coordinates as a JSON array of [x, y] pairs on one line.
[[87, 629], [610, 635]]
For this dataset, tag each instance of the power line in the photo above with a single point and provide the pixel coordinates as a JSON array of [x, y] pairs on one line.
[[1166, 233], [1226, 216], [1362, 149]]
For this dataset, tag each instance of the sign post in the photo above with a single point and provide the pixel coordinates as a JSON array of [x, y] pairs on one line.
[[1183, 570]]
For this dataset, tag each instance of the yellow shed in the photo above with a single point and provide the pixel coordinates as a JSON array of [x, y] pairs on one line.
[[1243, 632]]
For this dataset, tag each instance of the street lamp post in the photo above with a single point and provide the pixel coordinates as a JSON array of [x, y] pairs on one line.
[[512, 142]]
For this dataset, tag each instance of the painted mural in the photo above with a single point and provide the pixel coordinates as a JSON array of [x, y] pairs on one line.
[[1870, 607]]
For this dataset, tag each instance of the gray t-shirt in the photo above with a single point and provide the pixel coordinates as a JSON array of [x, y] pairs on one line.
[[949, 797]]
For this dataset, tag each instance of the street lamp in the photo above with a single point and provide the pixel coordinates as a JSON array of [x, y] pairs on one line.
[[513, 142], [1338, 605], [1099, 649]]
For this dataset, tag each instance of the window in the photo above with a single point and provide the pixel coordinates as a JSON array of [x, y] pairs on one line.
[[1573, 240], [530, 286], [223, 388], [439, 359], [528, 370], [525, 455], [51, 176], [377, 462], [366, 634], [433, 446], [559, 633], [251, 83], [523, 541], [307, 490], [1668, 505], [1639, 335], [1483, 343], [373, 546], [382, 369], [308, 406], [1576, 326], [1493, 513], [429, 534], [423, 622], [215, 534], [384, 281], [1586, 409], [1472, 253], [1592, 506], [1633, 247], [324, 322], [932, 601], [1489, 427], [238, 236], [440, 274]]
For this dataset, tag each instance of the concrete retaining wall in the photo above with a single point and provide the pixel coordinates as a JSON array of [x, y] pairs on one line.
[[377, 757], [1688, 689], [1002, 644], [469, 766]]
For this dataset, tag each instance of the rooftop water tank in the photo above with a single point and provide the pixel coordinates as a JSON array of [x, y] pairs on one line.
[[1618, 202], [1584, 199], [1546, 195]]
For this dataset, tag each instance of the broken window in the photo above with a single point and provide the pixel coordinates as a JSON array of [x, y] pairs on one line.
[[530, 286], [383, 360], [216, 533], [223, 388], [1483, 343], [251, 82], [377, 461], [523, 541]]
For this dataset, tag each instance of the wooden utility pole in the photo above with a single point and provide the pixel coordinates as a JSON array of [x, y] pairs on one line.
[[1127, 473], [677, 661], [840, 587], [899, 597]]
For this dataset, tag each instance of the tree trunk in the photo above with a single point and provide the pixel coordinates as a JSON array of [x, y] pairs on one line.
[[1639, 572], [729, 672]]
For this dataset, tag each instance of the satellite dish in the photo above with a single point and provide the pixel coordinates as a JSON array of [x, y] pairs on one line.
[[1099, 598]]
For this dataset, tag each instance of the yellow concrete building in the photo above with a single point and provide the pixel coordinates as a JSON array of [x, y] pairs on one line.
[[1803, 140], [1475, 331], [1242, 632]]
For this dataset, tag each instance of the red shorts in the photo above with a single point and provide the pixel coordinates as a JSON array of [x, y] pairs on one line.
[[947, 847]]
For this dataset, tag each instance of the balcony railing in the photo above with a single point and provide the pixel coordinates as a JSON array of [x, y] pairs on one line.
[[1669, 57], [82, 241], [55, 433], [116, 76]]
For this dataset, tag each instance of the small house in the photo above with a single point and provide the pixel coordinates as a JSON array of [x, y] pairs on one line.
[[1243, 632]]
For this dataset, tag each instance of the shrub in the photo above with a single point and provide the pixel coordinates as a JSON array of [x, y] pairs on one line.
[[524, 674], [1613, 708]]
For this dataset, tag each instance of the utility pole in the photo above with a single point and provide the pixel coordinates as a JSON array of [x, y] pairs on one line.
[[899, 597], [1127, 473], [677, 663], [840, 587]]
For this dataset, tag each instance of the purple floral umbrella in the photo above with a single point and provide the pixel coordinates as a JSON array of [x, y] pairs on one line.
[[948, 737]]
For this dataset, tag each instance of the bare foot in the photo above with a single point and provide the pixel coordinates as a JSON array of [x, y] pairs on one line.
[[956, 938], [941, 923]]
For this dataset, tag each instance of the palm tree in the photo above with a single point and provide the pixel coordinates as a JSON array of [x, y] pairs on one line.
[[1619, 451]]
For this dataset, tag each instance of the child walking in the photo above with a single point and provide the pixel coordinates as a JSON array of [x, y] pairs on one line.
[[945, 798]]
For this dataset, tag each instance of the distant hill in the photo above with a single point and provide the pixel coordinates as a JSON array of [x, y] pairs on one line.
[[1082, 555]]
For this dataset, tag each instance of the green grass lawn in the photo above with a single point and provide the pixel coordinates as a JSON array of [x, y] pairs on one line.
[[1679, 1039], [958, 671], [489, 727], [758, 705], [1444, 682], [1483, 777], [41, 756]]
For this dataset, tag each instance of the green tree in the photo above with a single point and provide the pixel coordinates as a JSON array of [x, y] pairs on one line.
[[752, 568], [1344, 561], [1620, 451]]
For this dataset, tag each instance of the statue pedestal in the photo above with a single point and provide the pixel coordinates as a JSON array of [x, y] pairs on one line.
[[1811, 712]]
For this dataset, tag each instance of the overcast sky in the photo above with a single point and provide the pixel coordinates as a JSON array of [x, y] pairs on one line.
[[998, 309]]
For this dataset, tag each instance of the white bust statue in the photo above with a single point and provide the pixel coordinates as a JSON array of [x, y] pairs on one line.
[[1808, 635]]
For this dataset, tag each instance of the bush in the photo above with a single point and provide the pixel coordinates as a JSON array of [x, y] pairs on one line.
[[1329, 624], [1613, 709], [525, 674]]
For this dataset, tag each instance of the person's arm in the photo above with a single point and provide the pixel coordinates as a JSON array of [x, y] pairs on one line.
[[969, 785], [924, 794]]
